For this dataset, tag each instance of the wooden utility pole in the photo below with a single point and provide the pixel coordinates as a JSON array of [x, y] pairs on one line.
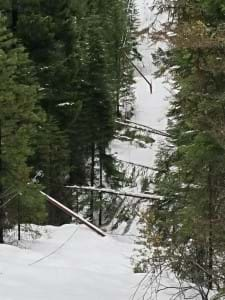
[[73, 214], [140, 73]]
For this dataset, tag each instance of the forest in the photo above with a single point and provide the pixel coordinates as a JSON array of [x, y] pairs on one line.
[[184, 231], [66, 78], [68, 70]]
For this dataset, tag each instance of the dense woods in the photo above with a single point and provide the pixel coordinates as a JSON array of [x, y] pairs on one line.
[[184, 231], [66, 91], [66, 77]]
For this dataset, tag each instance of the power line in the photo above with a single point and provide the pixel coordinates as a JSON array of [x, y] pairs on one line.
[[7, 193], [8, 201], [69, 239], [57, 249], [123, 235]]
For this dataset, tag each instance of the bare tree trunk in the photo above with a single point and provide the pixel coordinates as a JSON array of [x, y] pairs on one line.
[[118, 62], [19, 217], [14, 14], [101, 185], [92, 181], [210, 215]]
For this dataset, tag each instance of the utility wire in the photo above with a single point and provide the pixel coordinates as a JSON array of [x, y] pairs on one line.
[[57, 249], [123, 235], [7, 193], [8, 201]]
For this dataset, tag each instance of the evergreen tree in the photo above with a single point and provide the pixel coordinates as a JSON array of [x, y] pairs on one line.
[[80, 55], [19, 118], [185, 226], [51, 161], [46, 28], [122, 42]]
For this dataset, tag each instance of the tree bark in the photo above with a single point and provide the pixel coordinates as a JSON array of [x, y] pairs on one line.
[[101, 185], [19, 218], [14, 15], [210, 215], [92, 181]]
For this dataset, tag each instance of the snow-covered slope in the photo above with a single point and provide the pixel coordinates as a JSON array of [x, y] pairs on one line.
[[87, 267], [81, 266], [150, 109]]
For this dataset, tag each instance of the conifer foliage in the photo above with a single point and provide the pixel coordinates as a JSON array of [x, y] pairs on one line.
[[186, 227], [19, 117], [61, 96]]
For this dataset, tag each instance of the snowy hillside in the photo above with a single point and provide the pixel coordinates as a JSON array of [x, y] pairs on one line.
[[150, 109], [71, 262], [87, 266]]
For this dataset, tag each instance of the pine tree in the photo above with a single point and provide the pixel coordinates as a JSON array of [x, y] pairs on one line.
[[75, 48], [47, 30], [19, 118], [104, 83], [51, 161], [122, 42], [185, 226]]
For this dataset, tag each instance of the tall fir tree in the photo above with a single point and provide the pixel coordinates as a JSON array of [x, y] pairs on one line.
[[76, 48], [47, 30], [185, 225], [19, 120]]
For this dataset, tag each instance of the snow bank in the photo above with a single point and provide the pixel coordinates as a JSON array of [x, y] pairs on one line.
[[85, 267]]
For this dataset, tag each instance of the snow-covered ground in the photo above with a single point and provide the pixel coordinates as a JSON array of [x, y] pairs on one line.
[[150, 109], [86, 267], [71, 262]]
